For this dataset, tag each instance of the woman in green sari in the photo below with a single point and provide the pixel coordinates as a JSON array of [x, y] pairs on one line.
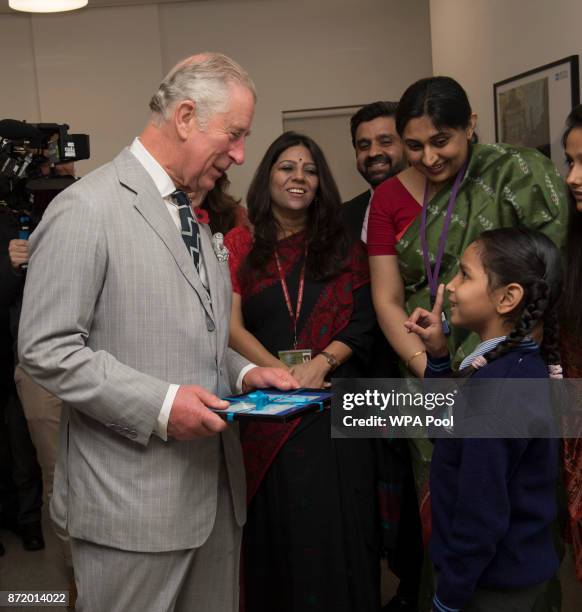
[[501, 186], [423, 219]]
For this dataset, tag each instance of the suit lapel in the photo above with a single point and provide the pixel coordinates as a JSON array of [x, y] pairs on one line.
[[364, 200], [210, 262], [152, 208], [354, 213], [213, 274]]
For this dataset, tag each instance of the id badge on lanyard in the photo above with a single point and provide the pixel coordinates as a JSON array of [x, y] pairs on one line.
[[432, 273], [293, 356]]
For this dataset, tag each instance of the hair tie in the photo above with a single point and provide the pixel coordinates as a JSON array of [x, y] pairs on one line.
[[555, 370], [479, 362]]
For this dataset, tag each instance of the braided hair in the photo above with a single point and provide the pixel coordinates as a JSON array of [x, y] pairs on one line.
[[531, 259]]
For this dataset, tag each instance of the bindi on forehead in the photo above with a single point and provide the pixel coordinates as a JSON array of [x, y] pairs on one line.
[[296, 157], [295, 160]]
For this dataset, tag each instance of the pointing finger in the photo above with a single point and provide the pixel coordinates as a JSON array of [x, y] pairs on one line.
[[438, 304]]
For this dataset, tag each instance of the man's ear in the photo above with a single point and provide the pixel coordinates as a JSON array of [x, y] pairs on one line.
[[508, 298], [185, 118]]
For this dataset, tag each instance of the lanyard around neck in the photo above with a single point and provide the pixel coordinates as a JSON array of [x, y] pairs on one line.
[[432, 273], [294, 316]]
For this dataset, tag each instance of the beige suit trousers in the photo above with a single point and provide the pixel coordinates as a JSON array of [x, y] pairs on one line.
[[43, 415]]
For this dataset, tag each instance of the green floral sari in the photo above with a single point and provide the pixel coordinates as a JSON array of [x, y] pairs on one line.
[[504, 186]]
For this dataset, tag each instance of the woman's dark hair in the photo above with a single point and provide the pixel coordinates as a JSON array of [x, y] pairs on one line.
[[440, 98], [571, 318], [573, 120], [326, 238], [221, 206], [531, 259]]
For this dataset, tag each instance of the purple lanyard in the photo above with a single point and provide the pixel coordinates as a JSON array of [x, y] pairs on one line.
[[432, 274]]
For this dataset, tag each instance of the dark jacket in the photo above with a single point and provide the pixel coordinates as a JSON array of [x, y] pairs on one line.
[[383, 359], [354, 212], [493, 500]]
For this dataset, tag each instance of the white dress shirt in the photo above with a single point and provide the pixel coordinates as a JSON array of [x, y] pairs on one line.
[[366, 216]]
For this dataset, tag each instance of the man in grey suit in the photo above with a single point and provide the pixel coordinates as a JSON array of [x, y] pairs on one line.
[[130, 329]]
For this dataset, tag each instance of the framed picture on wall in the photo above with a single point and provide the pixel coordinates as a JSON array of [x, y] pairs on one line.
[[531, 108]]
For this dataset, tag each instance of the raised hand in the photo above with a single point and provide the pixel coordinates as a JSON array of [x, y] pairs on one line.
[[428, 326]]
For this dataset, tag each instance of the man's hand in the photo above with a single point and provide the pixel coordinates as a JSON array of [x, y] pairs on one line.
[[190, 417], [18, 253], [260, 378]]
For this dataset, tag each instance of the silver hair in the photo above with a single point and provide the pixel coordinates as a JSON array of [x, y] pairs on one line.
[[204, 79]]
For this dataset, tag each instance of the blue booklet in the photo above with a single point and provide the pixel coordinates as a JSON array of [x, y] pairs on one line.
[[274, 405]]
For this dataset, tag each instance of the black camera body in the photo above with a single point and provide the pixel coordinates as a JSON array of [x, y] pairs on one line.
[[24, 146], [28, 155]]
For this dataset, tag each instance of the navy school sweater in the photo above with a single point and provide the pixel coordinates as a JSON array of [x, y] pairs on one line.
[[493, 501]]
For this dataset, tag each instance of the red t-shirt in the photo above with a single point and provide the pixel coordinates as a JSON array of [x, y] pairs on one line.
[[392, 211]]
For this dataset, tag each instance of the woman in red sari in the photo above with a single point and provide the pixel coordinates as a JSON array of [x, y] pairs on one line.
[[300, 288], [571, 324]]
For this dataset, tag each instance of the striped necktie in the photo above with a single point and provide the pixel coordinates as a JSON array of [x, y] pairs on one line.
[[190, 230]]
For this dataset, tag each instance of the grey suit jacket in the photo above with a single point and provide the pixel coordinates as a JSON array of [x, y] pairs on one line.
[[113, 312]]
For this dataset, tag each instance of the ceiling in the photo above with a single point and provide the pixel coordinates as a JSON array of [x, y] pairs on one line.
[[4, 8]]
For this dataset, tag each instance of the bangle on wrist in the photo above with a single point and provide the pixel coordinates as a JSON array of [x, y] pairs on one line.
[[411, 359], [331, 360]]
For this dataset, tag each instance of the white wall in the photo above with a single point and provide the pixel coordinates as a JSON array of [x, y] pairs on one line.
[[480, 42], [93, 69], [97, 68]]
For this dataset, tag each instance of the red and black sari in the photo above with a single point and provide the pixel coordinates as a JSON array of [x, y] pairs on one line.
[[572, 360], [311, 539]]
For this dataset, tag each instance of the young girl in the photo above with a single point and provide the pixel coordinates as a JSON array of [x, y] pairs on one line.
[[493, 500]]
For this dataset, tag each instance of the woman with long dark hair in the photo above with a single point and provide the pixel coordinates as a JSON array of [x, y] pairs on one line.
[[302, 300], [572, 324]]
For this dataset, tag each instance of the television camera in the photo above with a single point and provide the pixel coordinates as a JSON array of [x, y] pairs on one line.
[[32, 157]]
